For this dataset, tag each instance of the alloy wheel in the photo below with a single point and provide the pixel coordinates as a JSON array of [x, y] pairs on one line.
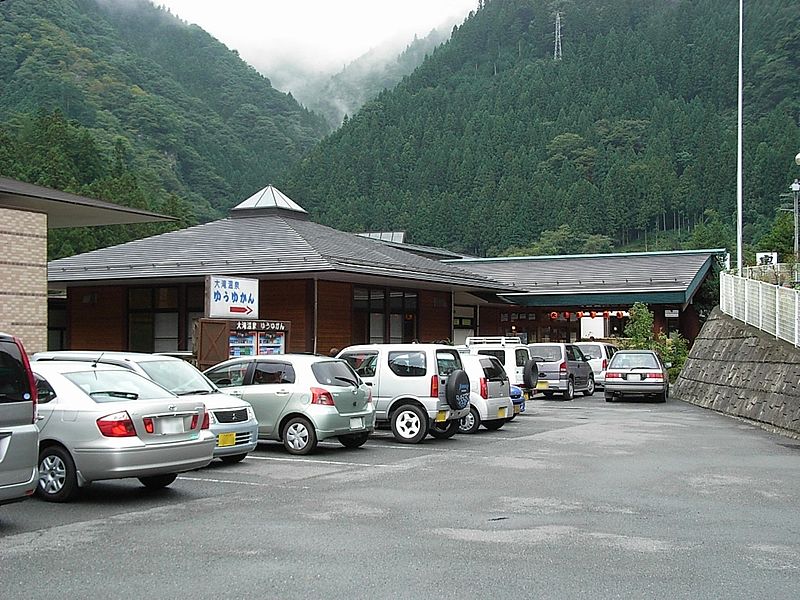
[[52, 474], [408, 424]]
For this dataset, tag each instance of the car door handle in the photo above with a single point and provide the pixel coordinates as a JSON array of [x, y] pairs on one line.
[[282, 393], [40, 417]]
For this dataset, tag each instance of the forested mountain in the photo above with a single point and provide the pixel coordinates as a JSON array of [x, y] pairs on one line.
[[491, 142], [149, 97], [366, 77]]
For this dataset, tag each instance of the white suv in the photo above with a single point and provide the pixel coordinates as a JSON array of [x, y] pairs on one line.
[[490, 402], [417, 388], [513, 355]]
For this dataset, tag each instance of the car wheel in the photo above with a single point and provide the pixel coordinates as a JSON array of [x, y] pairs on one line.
[[471, 422], [299, 436], [58, 480], [494, 425], [569, 393], [444, 431], [662, 397], [354, 440], [409, 424], [157, 482], [589, 386], [233, 458]]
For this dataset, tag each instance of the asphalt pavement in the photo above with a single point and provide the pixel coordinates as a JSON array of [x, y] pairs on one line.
[[578, 499]]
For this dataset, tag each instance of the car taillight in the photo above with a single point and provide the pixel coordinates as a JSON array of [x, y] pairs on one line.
[[206, 420], [484, 387], [116, 425], [434, 386], [604, 364], [562, 368], [613, 375], [654, 376], [369, 394], [320, 396], [148, 425]]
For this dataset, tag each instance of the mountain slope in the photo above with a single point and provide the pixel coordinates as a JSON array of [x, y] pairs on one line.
[[490, 141], [187, 109]]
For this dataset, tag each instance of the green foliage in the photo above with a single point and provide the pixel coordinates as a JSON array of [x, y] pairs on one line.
[[563, 240], [631, 136], [193, 119], [673, 349]]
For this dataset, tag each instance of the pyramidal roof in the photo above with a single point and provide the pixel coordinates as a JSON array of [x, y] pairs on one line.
[[268, 198]]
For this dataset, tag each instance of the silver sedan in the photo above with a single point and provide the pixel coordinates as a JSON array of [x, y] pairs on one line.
[[105, 422], [636, 373]]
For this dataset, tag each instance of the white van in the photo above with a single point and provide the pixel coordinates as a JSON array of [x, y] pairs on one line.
[[512, 354]]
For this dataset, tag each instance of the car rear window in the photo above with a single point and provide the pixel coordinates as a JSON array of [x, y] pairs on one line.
[[334, 372], [591, 350], [546, 353], [447, 361], [628, 360], [522, 356], [14, 383], [117, 386], [408, 364], [493, 370]]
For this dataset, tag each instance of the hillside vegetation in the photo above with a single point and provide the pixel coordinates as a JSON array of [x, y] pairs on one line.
[[491, 142], [147, 96]]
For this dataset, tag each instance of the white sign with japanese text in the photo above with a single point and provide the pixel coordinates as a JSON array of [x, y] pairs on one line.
[[231, 298]]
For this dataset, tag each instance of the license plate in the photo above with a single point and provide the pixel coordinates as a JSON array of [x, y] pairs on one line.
[[542, 385], [516, 409], [226, 439], [170, 425], [441, 416], [356, 423], [526, 395], [634, 377], [501, 412]]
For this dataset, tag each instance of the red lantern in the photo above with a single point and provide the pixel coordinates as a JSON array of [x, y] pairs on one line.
[[606, 314], [620, 314], [579, 314], [554, 315], [593, 314], [567, 315]]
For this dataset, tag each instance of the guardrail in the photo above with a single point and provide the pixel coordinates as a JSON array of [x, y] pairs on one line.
[[772, 308]]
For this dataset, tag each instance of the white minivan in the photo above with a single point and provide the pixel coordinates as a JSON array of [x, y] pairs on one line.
[[513, 355]]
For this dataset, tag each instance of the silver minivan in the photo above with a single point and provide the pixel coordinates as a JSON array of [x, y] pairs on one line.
[[563, 370], [19, 436]]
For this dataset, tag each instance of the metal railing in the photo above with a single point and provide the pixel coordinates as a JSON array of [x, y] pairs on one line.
[[772, 308]]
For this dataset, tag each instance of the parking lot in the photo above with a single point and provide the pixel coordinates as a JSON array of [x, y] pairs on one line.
[[573, 499]]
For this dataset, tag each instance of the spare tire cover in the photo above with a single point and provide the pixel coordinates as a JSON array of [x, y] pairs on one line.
[[530, 374], [457, 389]]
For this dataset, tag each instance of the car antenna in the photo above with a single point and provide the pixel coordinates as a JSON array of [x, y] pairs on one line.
[[97, 360]]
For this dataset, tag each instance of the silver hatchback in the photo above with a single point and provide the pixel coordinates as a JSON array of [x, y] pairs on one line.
[[106, 422]]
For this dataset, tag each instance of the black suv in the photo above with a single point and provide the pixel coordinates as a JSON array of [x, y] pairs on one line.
[[19, 436]]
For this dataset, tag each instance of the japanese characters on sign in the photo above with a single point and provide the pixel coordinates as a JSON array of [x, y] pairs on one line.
[[231, 297], [260, 326]]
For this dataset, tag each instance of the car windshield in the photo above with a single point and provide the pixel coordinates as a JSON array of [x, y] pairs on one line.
[[178, 376], [114, 386], [631, 360], [591, 350], [546, 353]]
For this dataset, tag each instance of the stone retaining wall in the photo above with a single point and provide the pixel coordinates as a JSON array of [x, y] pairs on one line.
[[739, 370]]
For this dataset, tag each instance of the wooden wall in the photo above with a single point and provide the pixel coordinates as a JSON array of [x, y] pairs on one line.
[[334, 316], [435, 316], [97, 318], [290, 300]]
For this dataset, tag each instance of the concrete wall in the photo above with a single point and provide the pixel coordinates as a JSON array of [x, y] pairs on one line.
[[23, 277], [739, 370]]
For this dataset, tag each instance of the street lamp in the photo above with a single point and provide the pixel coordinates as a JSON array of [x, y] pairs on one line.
[[739, 149], [795, 187]]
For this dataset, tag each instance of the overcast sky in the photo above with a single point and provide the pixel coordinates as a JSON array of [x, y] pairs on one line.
[[315, 35]]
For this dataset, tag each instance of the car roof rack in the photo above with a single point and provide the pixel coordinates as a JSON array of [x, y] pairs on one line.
[[502, 340]]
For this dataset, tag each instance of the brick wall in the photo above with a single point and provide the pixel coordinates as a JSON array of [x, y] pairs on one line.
[[23, 277], [739, 370]]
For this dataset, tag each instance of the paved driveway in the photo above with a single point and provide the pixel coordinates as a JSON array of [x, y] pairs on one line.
[[574, 499]]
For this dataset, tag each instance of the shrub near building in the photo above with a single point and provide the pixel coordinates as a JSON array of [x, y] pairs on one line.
[[673, 348]]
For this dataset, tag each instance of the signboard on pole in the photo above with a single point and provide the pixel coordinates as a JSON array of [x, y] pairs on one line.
[[231, 298]]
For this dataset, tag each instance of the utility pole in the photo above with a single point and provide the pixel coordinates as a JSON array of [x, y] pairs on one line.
[[795, 187], [557, 49]]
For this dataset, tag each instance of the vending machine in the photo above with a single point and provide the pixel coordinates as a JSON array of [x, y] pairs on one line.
[[249, 338]]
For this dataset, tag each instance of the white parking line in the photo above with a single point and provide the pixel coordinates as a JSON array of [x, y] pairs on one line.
[[225, 481], [310, 460]]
